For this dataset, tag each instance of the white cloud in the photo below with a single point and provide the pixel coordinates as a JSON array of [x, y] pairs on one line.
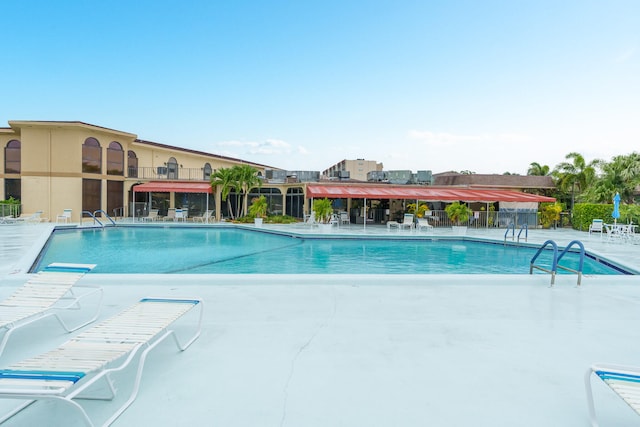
[[268, 147]]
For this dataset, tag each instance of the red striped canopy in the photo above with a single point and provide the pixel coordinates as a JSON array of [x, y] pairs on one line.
[[427, 193], [173, 187]]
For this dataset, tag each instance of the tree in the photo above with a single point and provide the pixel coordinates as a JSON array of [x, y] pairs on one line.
[[247, 178], [621, 175], [576, 173], [536, 169], [224, 177]]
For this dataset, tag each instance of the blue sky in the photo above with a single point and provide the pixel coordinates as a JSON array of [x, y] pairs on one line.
[[486, 86]]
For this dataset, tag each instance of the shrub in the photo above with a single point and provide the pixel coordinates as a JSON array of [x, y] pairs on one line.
[[458, 213]]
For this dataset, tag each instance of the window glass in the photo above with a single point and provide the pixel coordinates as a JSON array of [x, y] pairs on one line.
[[12, 157], [207, 172], [172, 168], [12, 188], [91, 156], [115, 197], [91, 195], [115, 159], [133, 164]]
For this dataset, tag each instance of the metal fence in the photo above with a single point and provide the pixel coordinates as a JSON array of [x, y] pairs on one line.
[[164, 172], [483, 219], [11, 209]]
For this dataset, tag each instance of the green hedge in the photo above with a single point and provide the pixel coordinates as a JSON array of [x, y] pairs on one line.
[[585, 213]]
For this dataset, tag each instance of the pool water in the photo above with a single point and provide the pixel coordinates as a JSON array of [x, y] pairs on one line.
[[230, 250]]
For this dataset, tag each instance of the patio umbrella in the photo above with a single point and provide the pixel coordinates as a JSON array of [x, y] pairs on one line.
[[616, 208]]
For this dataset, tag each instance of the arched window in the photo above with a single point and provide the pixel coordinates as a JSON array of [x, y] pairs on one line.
[[115, 159], [91, 156], [132, 160], [12, 157], [172, 168], [206, 172]]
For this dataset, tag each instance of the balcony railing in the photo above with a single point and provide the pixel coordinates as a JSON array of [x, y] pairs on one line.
[[163, 172]]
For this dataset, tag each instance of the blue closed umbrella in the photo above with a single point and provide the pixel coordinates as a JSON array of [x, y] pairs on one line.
[[616, 207]]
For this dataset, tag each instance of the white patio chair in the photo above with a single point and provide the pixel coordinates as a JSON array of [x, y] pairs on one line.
[[180, 215], [344, 218], [596, 226], [68, 373], [47, 294], [65, 216]]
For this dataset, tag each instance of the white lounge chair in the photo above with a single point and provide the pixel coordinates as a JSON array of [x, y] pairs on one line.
[[44, 295], [311, 219], [204, 218], [171, 215], [33, 218], [423, 223], [153, 216], [623, 380], [68, 373], [8, 220], [407, 221]]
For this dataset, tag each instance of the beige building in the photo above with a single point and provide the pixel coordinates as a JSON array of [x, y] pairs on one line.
[[352, 169], [51, 166]]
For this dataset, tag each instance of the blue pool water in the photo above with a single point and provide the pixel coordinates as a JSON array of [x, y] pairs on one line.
[[228, 250]]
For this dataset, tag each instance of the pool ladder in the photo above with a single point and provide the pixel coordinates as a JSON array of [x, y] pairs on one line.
[[556, 259], [96, 221], [512, 227]]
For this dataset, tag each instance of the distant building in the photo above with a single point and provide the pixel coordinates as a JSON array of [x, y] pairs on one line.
[[507, 182], [352, 169]]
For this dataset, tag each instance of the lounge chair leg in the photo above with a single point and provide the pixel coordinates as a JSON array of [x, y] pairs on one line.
[[112, 391], [136, 384], [77, 303], [590, 403]]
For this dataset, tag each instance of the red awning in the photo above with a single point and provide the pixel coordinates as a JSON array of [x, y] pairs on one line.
[[429, 193], [173, 187]]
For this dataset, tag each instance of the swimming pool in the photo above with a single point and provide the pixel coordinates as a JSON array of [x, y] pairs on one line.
[[231, 250]]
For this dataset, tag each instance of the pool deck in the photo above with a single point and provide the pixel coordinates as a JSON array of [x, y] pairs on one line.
[[409, 350]]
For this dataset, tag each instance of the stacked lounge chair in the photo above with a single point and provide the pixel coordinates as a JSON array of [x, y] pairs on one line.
[[68, 373], [46, 294]]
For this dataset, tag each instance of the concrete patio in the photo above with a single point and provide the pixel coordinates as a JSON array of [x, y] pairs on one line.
[[411, 350]]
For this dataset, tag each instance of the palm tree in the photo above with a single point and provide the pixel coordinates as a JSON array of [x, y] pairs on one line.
[[247, 178], [536, 169], [621, 175], [224, 177], [575, 173]]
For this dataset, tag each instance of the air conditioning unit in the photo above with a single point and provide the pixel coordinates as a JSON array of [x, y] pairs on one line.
[[162, 170]]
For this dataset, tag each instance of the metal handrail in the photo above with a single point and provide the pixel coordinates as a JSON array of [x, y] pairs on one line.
[[524, 227], [554, 263], [510, 226], [94, 218], [580, 263], [106, 215]]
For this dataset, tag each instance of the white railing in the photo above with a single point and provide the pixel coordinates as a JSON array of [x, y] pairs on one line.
[[483, 219]]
